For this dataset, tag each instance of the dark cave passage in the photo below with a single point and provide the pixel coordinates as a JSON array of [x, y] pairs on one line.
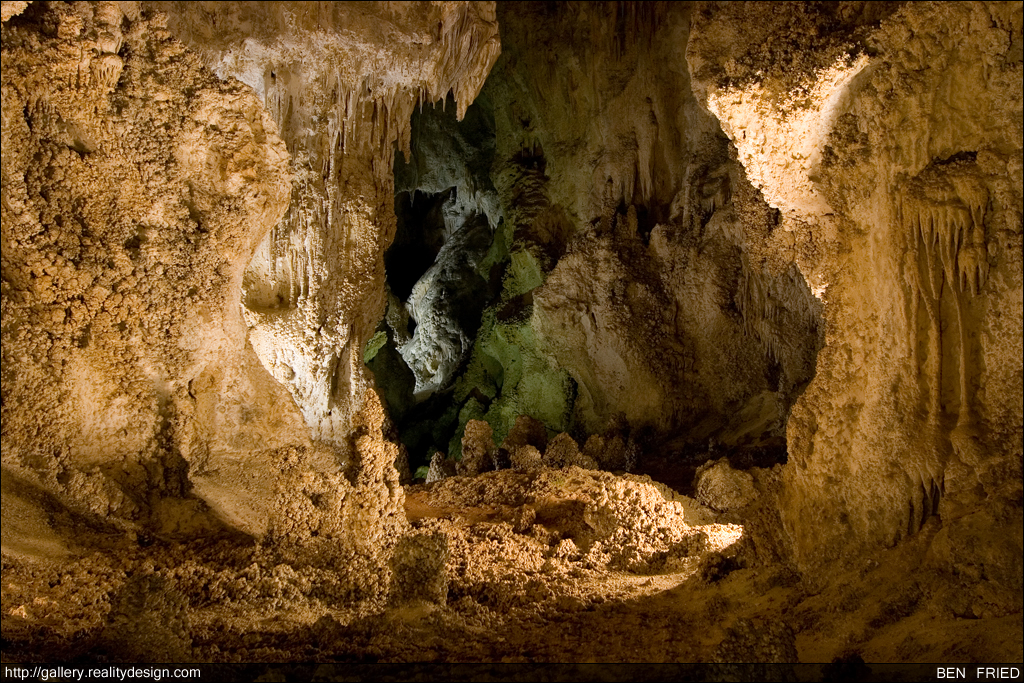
[[506, 302], [419, 238], [442, 271]]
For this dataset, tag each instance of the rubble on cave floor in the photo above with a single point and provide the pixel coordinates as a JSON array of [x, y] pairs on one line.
[[536, 565]]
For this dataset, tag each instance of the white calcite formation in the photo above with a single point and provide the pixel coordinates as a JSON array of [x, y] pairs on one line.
[[341, 81]]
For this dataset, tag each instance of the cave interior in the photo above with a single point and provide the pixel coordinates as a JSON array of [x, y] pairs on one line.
[[512, 332]]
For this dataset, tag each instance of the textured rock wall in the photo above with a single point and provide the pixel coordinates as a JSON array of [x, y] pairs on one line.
[[640, 290], [136, 185], [891, 143], [443, 268]]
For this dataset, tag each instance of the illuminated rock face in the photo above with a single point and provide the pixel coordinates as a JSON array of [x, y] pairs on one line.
[[136, 186], [341, 81], [145, 196], [893, 149], [451, 289]]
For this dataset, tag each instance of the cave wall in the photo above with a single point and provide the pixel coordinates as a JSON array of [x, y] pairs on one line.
[[889, 137], [641, 289], [136, 185], [141, 193]]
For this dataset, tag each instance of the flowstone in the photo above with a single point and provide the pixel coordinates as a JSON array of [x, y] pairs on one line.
[[904, 213]]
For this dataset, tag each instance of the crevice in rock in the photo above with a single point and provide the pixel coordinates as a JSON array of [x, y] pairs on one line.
[[442, 271]]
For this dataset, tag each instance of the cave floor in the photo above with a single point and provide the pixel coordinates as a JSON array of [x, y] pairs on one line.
[[514, 589]]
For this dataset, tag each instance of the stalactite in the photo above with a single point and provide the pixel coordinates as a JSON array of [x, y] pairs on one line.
[[764, 302], [339, 112], [942, 216]]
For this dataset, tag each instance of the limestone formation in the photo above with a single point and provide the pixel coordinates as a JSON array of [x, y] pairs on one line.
[[477, 448], [341, 82], [136, 186], [534, 332], [720, 487], [917, 200], [636, 283]]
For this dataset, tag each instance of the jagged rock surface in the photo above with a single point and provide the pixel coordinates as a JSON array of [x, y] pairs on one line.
[[904, 206], [136, 185]]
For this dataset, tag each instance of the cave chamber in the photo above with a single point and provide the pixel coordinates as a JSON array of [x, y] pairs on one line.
[[533, 332]]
